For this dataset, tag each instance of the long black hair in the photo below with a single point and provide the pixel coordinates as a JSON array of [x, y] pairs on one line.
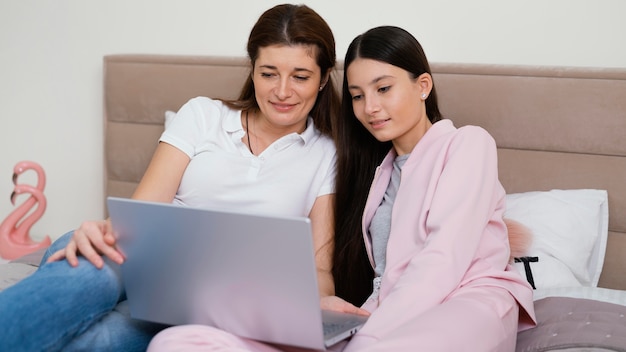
[[359, 153]]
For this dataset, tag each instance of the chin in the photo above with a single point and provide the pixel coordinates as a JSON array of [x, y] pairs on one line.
[[381, 137]]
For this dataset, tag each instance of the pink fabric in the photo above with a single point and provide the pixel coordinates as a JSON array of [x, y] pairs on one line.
[[202, 338], [467, 319], [196, 338], [447, 232], [477, 319]]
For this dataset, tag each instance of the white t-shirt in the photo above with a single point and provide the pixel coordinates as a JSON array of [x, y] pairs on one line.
[[284, 180]]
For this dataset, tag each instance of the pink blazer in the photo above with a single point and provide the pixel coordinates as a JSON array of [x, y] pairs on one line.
[[447, 231]]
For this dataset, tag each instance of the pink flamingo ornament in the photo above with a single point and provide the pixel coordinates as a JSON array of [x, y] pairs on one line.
[[15, 239]]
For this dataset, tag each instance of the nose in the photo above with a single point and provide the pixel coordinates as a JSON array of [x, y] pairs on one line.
[[372, 105], [283, 89]]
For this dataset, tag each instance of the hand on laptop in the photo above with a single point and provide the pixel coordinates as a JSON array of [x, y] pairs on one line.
[[92, 240], [339, 305]]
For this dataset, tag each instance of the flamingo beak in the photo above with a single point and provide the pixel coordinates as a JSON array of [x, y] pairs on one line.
[[13, 195], [15, 178]]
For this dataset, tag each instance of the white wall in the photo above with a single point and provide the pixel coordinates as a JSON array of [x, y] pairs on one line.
[[51, 64]]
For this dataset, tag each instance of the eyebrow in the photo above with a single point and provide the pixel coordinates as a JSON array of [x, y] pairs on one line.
[[374, 81]]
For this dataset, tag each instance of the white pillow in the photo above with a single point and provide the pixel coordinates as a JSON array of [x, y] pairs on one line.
[[570, 230], [169, 116]]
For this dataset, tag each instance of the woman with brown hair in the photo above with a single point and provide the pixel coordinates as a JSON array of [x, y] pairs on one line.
[[270, 151]]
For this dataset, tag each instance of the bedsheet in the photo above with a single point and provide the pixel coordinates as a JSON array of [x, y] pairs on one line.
[[577, 319]]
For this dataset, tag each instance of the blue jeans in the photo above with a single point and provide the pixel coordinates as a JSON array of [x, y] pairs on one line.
[[59, 307]]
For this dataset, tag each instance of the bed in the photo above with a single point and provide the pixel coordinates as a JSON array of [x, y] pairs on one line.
[[562, 161]]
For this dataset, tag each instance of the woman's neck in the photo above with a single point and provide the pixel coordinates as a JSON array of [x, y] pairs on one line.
[[261, 132]]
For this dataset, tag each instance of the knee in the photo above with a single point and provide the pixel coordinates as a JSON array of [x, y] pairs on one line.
[[58, 244], [84, 275], [191, 338], [109, 274]]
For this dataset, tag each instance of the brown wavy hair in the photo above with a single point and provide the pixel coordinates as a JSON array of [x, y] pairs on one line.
[[291, 25]]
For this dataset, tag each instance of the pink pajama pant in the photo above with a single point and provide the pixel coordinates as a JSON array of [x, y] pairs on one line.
[[468, 321]]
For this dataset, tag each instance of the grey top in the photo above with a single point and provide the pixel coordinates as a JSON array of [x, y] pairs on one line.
[[381, 222]]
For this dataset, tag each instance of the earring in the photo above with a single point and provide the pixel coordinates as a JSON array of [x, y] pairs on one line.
[[321, 87], [424, 96]]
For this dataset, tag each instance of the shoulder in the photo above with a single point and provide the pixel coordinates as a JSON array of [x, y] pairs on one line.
[[316, 139], [479, 139], [206, 103], [475, 133], [202, 109], [444, 132], [468, 134], [321, 148], [326, 142], [472, 141], [444, 137]]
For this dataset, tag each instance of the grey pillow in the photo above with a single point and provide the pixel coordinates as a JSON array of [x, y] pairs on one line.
[[575, 324]]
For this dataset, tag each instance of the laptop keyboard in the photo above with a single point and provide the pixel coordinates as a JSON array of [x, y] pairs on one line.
[[330, 328]]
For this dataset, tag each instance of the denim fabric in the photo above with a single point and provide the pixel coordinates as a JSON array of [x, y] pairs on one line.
[[71, 309]]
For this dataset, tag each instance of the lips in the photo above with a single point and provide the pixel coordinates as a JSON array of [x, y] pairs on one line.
[[283, 107], [379, 123]]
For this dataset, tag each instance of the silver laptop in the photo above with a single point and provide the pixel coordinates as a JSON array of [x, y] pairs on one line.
[[251, 275]]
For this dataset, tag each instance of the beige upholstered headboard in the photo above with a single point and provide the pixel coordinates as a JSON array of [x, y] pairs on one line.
[[556, 127]]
